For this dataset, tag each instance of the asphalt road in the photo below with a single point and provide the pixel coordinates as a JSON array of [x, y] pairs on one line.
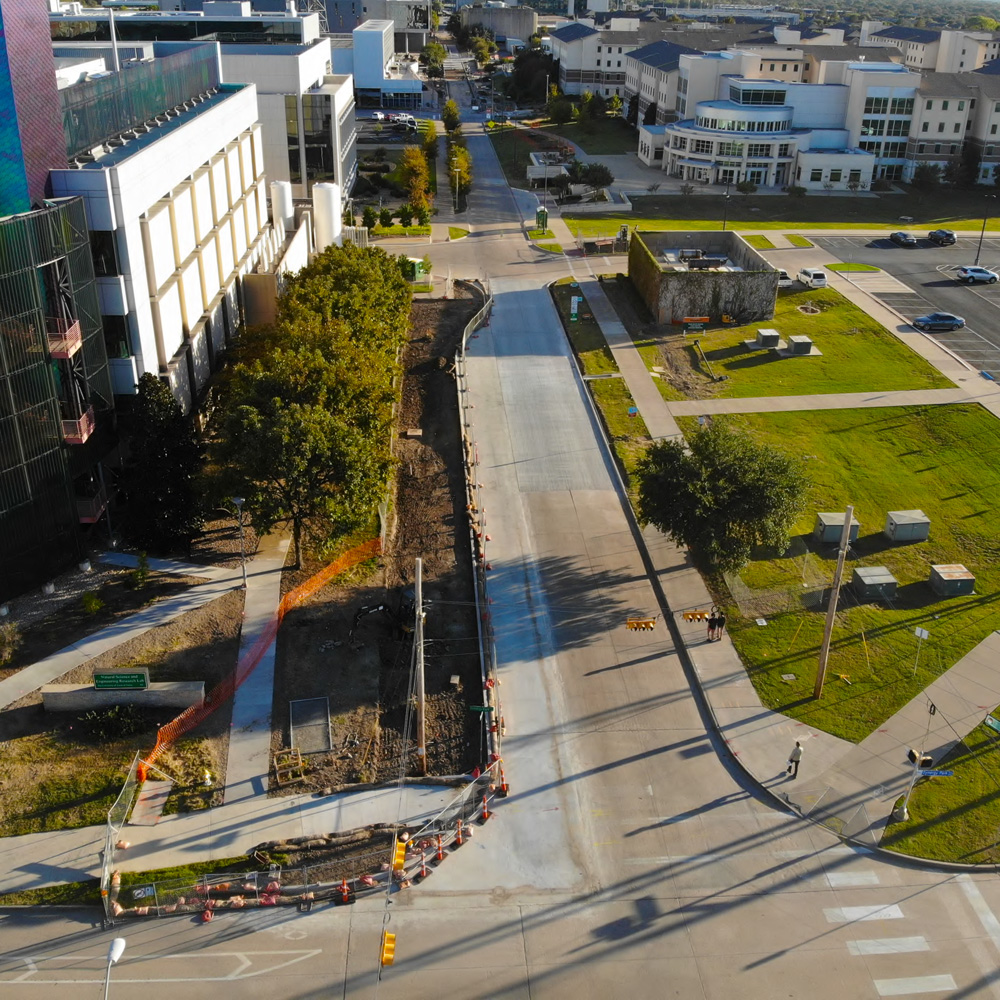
[[929, 273]]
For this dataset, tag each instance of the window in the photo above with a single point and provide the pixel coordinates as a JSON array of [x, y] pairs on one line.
[[772, 67], [785, 149], [598, 48], [954, 149], [116, 336], [784, 67], [854, 175], [770, 98], [921, 147], [816, 174], [795, 67], [619, 50], [993, 130], [730, 149], [957, 128], [871, 147], [872, 126], [619, 64], [701, 146], [104, 252], [930, 104], [996, 106], [835, 175], [924, 127], [894, 149], [989, 150], [944, 105], [937, 147], [961, 105], [901, 106], [759, 149], [940, 126], [680, 142], [898, 126], [876, 105]]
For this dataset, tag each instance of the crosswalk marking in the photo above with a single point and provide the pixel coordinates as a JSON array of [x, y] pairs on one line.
[[837, 880], [982, 909], [888, 946], [849, 914], [915, 984]]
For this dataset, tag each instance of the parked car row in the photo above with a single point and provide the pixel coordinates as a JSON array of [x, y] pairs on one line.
[[939, 237]]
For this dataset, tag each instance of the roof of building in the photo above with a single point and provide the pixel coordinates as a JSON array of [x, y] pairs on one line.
[[661, 55], [990, 68], [571, 32], [851, 53], [903, 34]]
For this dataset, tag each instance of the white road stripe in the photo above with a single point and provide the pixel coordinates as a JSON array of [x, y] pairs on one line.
[[982, 909], [838, 880], [849, 914], [916, 984], [888, 946]]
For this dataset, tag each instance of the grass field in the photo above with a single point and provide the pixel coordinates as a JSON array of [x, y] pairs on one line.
[[541, 234], [942, 460], [953, 210], [849, 266], [456, 233], [599, 137], [858, 353], [955, 819], [800, 242], [549, 247], [759, 242]]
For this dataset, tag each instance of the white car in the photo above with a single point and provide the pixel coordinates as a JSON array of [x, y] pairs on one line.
[[378, 116], [972, 273]]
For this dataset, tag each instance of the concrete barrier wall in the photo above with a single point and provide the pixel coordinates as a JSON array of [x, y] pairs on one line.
[[83, 697]]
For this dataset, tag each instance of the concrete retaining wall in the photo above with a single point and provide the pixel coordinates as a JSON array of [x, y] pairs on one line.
[[84, 697]]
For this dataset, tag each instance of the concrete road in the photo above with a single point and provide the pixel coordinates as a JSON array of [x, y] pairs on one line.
[[928, 272], [632, 859]]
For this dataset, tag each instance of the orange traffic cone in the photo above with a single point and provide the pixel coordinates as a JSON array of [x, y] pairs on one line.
[[486, 810], [458, 835]]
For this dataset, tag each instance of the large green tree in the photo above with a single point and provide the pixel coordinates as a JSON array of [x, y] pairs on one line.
[[158, 484], [722, 494], [415, 176], [450, 115]]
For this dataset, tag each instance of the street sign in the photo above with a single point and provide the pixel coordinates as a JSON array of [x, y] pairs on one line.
[[936, 774], [121, 680], [921, 633], [992, 723], [480, 708]]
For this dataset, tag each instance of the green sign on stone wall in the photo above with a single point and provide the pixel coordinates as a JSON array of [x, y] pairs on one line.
[[122, 680]]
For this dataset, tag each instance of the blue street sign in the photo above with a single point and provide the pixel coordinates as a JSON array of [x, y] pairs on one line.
[[992, 723], [937, 774]]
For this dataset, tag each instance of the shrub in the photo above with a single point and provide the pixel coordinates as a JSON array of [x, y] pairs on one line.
[[10, 641], [139, 577], [116, 722], [796, 191], [380, 153], [423, 215], [369, 218], [406, 214], [385, 218], [91, 602]]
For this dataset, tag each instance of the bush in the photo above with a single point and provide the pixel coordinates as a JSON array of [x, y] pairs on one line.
[[385, 218], [103, 725], [369, 218], [380, 153], [10, 641], [91, 602], [139, 577], [406, 214], [423, 215], [796, 191]]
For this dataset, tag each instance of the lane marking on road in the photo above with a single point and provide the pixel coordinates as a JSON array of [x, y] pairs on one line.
[[850, 914], [888, 946], [843, 880], [915, 984], [981, 908], [841, 851]]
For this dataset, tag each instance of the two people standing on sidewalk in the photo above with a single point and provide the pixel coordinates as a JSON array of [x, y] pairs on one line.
[[716, 624]]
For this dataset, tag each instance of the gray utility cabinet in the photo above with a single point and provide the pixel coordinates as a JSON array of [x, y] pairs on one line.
[[907, 526], [951, 580], [830, 525], [872, 583]]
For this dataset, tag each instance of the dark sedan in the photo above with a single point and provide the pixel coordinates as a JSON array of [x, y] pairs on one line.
[[939, 321], [903, 239]]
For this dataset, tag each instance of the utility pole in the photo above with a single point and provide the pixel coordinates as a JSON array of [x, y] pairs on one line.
[[418, 640], [831, 611]]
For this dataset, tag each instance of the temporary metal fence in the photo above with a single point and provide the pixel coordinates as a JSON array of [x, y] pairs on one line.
[[118, 816], [807, 583], [329, 881], [475, 508]]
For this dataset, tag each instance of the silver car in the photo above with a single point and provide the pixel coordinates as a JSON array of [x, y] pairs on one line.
[[972, 273]]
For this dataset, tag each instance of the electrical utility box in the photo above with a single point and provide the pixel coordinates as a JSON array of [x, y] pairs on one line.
[[830, 525], [873, 583], [951, 580], [907, 526]]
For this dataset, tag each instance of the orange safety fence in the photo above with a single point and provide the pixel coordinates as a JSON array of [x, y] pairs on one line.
[[247, 663]]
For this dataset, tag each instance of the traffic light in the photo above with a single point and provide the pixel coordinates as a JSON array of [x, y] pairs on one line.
[[696, 616], [388, 948], [640, 624], [399, 856]]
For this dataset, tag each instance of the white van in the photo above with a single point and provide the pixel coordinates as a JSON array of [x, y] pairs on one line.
[[812, 277]]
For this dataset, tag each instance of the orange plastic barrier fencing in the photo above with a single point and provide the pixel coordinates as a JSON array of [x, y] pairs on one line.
[[226, 688]]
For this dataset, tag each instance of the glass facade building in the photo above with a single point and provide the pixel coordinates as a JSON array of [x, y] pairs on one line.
[[55, 393]]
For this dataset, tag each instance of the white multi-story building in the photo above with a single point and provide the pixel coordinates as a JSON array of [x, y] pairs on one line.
[[177, 212], [382, 78], [932, 50]]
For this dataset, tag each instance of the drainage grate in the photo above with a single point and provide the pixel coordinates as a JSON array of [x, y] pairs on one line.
[[310, 725]]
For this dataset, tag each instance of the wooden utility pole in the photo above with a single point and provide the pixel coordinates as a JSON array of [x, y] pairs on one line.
[[831, 611], [418, 641]]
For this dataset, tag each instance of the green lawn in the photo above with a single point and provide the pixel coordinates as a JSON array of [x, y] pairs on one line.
[[858, 353], [953, 210], [600, 137], [955, 819], [541, 234], [848, 266], [456, 233], [513, 146], [585, 335], [759, 242], [942, 460], [549, 247], [399, 230], [800, 242]]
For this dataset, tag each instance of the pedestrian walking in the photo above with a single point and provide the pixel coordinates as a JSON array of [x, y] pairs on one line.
[[793, 760], [713, 621], [720, 625]]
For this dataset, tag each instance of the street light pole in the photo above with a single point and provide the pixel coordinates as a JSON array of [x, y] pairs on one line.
[[238, 503], [982, 232], [454, 170], [115, 952], [725, 208]]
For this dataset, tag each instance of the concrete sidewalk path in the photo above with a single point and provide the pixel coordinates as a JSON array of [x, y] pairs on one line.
[[41, 859], [250, 734], [129, 561]]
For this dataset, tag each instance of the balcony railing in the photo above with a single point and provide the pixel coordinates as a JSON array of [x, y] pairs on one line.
[[77, 431], [90, 509], [65, 338]]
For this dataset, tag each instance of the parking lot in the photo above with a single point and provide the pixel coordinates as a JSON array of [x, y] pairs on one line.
[[928, 272]]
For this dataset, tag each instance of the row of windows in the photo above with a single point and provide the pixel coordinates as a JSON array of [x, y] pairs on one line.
[[945, 105], [879, 126], [609, 49], [957, 127], [836, 175], [891, 150], [733, 148], [772, 98], [728, 125], [784, 67], [882, 106], [953, 148]]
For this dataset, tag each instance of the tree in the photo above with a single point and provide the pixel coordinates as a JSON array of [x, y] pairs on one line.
[[450, 115], [406, 214], [926, 177], [433, 53], [158, 483], [746, 188], [482, 50], [597, 176], [615, 105], [649, 118], [980, 22], [632, 114], [385, 217], [415, 176], [560, 110], [460, 173], [369, 218], [722, 494]]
